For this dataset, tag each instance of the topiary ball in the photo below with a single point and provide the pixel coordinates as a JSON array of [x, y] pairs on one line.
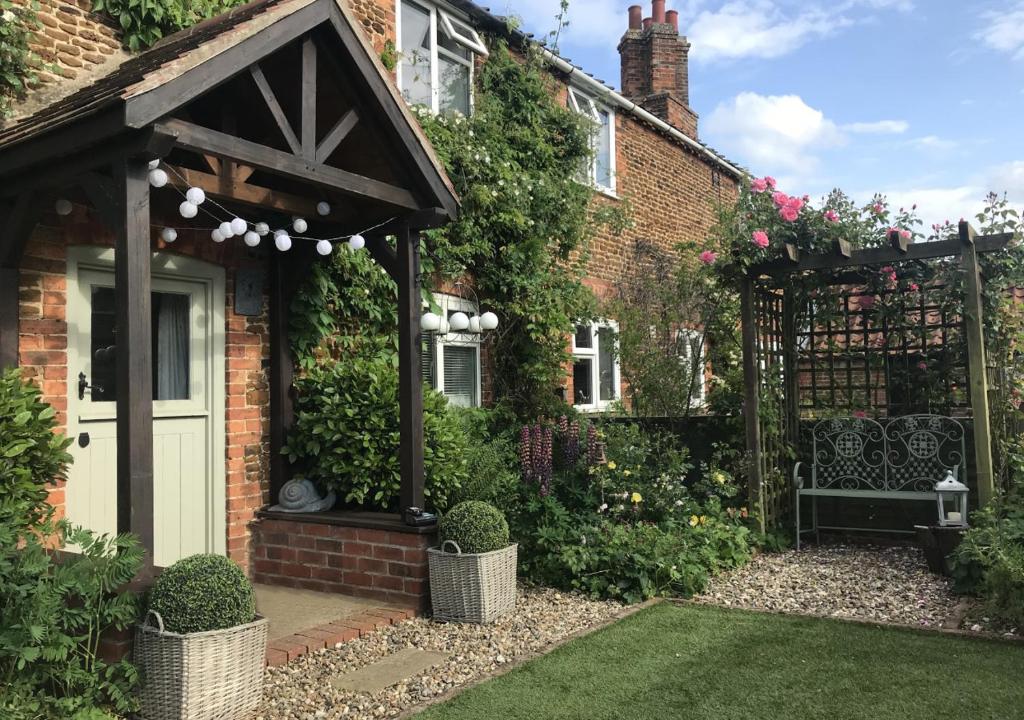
[[203, 592], [475, 526]]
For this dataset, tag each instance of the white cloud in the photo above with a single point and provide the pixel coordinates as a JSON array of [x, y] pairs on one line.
[[757, 30], [595, 23], [1004, 30], [932, 143], [879, 127], [1008, 178]]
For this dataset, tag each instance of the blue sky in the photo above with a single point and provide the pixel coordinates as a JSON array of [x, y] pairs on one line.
[[922, 100]]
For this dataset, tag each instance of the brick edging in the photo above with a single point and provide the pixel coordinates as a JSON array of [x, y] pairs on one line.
[[284, 650]]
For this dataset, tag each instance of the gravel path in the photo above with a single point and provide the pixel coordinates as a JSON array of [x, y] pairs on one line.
[[887, 584], [302, 691]]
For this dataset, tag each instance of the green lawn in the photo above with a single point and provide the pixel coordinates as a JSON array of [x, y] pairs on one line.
[[699, 662]]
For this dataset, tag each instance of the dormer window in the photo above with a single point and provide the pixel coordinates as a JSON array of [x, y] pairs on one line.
[[436, 55]]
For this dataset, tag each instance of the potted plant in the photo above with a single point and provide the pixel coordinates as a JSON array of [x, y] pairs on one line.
[[201, 646], [473, 571]]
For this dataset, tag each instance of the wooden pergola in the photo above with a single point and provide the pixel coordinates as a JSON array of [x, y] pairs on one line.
[[274, 105], [784, 342]]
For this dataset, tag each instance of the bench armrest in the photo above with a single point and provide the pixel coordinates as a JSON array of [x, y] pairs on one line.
[[798, 482]]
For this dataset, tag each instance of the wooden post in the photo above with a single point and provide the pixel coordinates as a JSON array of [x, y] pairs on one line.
[[752, 400], [791, 367], [282, 411], [977, 364], [410, 376], [134, 354], [9, 305]]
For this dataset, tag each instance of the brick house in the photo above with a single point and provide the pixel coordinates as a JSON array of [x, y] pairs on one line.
[[217, 321]]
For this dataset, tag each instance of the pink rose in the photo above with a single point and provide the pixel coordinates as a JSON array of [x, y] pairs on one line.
[[780, 199], [905, 234], [708, 258], [760, 238], [922, 365], [796, 203], [877, 208], [759, 185], [789, 213], [770, 180], [831, 216], [914, 287], [866, 302]]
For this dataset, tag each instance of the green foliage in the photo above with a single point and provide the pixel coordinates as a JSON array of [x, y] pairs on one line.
[[346, 433], [202, 593], [17, 24], [143, 22], [475, 526], [52, 613], [490, 453], [389, 56]]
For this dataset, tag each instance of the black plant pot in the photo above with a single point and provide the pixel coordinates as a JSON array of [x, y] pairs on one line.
[[938, 543]]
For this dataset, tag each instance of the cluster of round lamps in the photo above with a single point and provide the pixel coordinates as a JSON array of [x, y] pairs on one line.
[[459, 322]]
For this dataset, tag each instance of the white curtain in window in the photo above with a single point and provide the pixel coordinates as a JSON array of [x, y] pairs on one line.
[[172, 339]]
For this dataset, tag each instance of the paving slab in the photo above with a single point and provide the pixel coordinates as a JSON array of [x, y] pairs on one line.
[[389, 670], [292, 611]]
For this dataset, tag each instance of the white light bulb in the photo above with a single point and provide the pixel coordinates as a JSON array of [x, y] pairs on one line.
[[324, 247], [169, 234], [300, 226], [226, 230], [188, 210], [157, 178], [474, 324], [357, 242], [154, 164], [283, 242], [217, 236], [262, 229], [252, 239], [488, 321], [430, 322], [195, 195], [239, 226], [62, 206], [459, 321], [323, 209]]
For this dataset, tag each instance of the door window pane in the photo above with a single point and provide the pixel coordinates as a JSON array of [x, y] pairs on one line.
[[460, 381], [102, 346], [582, 381], [584, 337], [606, 364], [415, 55]]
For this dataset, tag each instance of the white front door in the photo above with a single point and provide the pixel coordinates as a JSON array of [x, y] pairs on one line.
[[188, 379]]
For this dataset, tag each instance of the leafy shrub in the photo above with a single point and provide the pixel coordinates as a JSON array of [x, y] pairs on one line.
[[346, 433], [17, 24], [491, 464], [201, 593], [52, 613], [475, 527], [143, 23]]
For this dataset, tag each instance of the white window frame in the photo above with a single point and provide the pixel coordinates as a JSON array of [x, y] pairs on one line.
[[685, 337], [593, 354], [453, 303], [457, 29], [591, 108]]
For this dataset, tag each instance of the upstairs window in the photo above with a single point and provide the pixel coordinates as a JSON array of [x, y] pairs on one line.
[[436, 54], [595, 366], [600, 172]]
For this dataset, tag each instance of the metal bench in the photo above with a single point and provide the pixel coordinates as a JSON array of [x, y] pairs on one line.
[[861, 458]]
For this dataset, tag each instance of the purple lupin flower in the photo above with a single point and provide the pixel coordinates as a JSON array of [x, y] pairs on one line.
[[525, 454], [571, 444]]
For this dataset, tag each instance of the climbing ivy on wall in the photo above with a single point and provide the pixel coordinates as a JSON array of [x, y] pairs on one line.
[[143, 22], [17, 24]]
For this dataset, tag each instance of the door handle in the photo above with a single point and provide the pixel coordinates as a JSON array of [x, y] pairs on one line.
[[84, 385]]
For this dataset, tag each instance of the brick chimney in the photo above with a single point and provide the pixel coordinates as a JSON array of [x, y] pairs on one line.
[[655, 66]]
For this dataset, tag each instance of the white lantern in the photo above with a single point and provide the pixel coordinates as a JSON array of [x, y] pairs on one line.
[[188, 210], [169, 235], [239, 226], [488, 321], [955, 493], [430, 322], [324, 247], [195, 195], [282, 242], [157, 178], [299, 225], [459, 321], [225, 229], [252, 239], [262, 229], [63, 206], [154, 164], [217, 236], [357, 242], [474, 324], [323, 209]]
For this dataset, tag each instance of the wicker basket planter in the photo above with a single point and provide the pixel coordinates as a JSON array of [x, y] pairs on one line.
[[215, 675], [475, 588]]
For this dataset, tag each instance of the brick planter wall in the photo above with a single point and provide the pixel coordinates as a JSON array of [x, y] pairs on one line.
[[320, 553]]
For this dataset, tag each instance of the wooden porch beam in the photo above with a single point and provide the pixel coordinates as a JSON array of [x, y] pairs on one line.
[[204, 140], [752, 400], [132, 288], [977, 364], [238, 191], [384, 255], [18, 220], [9, 306], [410, 375], [275, 109], [309, 99], [337, 134]]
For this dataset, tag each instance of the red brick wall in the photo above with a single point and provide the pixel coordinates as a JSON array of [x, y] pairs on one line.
[[365, 562], [71, 40], [43, 354]]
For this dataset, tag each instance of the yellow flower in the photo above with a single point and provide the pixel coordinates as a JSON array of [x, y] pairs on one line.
[[719, 477], [626, 473], [694, 520], [611, 464], [703, 519], [636, 497]]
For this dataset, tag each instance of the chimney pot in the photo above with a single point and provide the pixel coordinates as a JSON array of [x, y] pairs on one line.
[[658, 11], [672, 18], [635, 17], [647, 23]]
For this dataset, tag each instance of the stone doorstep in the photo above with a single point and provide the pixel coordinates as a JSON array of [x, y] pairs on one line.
[[284, 650]]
